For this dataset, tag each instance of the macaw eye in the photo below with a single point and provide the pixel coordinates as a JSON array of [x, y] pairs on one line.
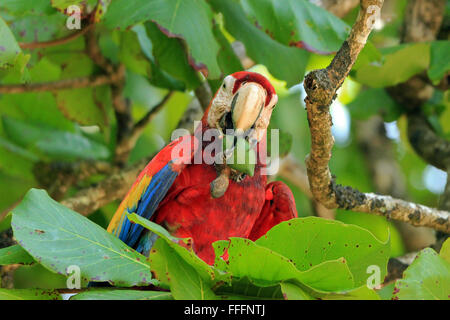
[[224, 86]]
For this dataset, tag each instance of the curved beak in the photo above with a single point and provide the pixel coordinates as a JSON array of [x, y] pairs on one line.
[[246, 106]]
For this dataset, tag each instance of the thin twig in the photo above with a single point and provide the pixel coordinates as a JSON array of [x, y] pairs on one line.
[[56, 42], [321, 86], [128, 142], [75, 83]]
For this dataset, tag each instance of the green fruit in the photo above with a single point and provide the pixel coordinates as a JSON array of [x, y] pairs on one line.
[[243, 157]]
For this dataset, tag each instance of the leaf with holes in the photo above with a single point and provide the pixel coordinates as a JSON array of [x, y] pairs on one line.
[[29, 294], [428, 277], [265, 267], [58, 237], [315, 241]]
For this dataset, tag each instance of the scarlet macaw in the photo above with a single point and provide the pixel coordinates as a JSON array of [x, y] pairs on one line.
[[178, 196]]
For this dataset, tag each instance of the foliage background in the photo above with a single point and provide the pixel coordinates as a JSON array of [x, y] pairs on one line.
[[175, 46]]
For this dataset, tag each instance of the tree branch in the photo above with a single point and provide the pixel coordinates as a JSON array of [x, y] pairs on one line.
[[204, 95], [56, 42], [127, 144], [387, 177], [428, 145], [63, 84], [110, 189], [321, 86]]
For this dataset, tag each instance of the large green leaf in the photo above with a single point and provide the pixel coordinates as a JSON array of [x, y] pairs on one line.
[[114, 294], [265, 267], [190, 20], [54, 143], [29, 294], [311, 241], [298, 23], [285, 63], [428, 277], [158, 76], [183, 279], [14, 254], [58, 237], [169, 56], [397, 65], [86, 106]]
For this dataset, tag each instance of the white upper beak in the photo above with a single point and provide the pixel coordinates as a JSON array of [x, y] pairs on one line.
[[247, 105]]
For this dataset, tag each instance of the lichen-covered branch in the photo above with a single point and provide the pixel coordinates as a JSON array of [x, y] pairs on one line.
[[321, 86]]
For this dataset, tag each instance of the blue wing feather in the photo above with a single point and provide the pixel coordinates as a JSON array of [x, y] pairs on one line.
[[148, 203]]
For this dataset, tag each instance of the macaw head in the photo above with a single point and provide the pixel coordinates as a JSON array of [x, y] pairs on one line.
[[243, 103]]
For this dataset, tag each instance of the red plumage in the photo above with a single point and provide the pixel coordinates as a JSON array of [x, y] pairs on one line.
[[248, 209]]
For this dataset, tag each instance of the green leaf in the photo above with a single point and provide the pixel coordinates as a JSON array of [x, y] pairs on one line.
[[445, 250], [244, 289], [439, 61], [39, 27], [169, 56], [10, 52], [427, 278], [158, 76], [293, 292], [86, 106], [64, 4], [313, 241], [261, 47], [298, 22], [58, 237], [14, 254], [180, 246], [265, 267], [54, 143], [227, 59], [29, 294], [374, 101], [184, 281], [21, 7], [398, 64], [190, 20], [112, 294]]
